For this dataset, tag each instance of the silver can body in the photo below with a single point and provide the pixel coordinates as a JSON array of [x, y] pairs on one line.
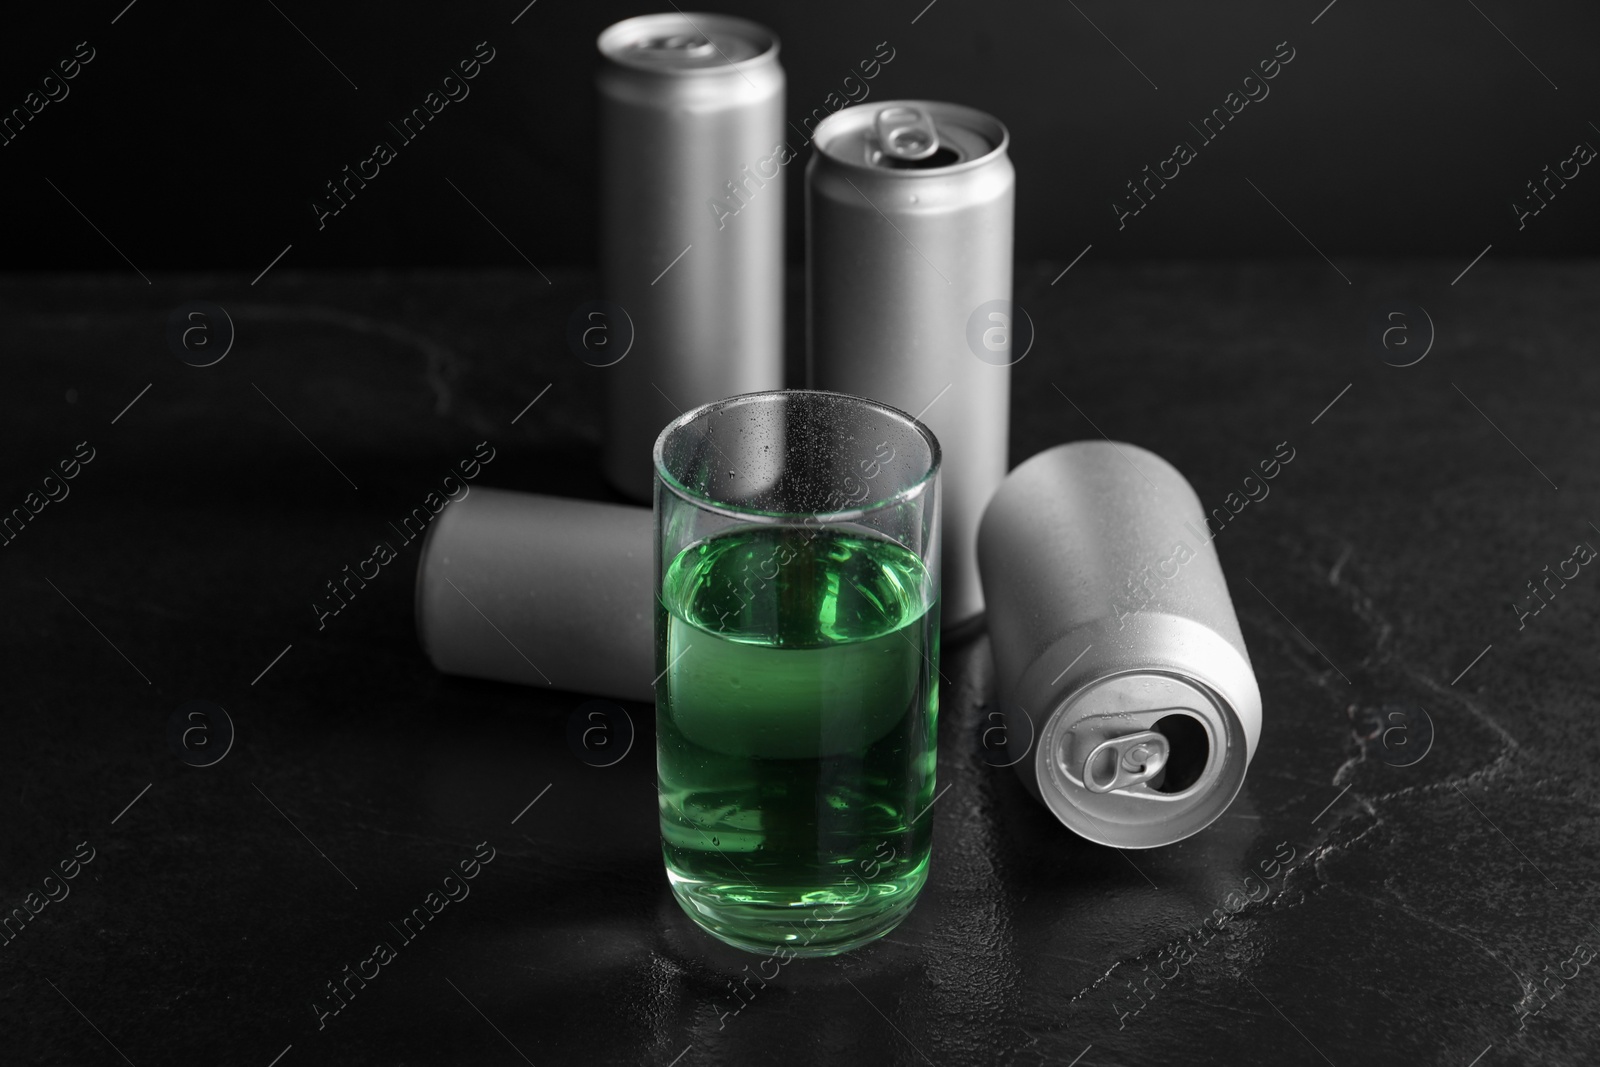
[[540, 590], [901, 258], [691, 205], [1115, 638]]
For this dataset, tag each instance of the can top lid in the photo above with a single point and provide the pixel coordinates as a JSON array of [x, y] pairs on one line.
[[911, 137], [678, 43], [1141, 759]]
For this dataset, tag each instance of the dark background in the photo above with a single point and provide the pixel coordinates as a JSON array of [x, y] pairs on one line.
[[198, 137]]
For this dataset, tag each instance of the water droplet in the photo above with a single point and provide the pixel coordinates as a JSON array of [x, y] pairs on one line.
[[714, 841]]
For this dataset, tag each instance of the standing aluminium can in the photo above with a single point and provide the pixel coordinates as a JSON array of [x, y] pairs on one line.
[[1115, 638], [909, 210], [691, 203]]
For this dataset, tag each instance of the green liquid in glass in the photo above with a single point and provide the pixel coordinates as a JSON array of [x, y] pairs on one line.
[[795, 727]]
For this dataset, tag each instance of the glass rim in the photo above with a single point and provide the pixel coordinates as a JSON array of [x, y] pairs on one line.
[[666, 479]]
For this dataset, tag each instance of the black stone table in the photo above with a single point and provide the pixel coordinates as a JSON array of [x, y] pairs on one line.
[[1356, 905]]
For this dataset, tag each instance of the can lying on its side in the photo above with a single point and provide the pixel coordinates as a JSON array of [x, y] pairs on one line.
[[540, 590], [1114, 634], [909, 209], [691, 206]]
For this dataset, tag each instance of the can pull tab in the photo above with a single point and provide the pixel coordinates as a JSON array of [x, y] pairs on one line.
[[688, 44], [1124, 761], [906, 133]]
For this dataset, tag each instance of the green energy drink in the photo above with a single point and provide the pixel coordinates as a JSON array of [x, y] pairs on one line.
[[795, 733]]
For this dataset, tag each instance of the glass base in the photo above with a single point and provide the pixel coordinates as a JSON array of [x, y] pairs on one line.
[[802, 922]]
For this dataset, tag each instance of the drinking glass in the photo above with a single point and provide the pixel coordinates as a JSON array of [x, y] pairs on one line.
[[797, 640]]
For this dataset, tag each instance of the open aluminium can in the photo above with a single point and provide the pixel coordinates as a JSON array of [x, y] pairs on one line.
[[1114, 634], [691, 233], [909, 208]]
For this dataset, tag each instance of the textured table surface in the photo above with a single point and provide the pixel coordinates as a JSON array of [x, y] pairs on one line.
[[1423, 913]]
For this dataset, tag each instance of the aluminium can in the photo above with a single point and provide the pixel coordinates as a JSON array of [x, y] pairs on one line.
[[1114, 637], [692, 149], [909, 207], [540, 590]]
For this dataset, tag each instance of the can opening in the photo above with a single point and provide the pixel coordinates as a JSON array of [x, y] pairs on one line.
[[942, 156], [1189, 752]]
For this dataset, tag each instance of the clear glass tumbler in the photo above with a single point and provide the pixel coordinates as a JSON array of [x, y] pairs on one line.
[[797, 636]]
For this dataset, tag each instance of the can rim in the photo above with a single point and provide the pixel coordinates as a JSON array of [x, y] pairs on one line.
[[706, 503], [419, 590], [980, 121], [610, 42], [1069, 811]]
